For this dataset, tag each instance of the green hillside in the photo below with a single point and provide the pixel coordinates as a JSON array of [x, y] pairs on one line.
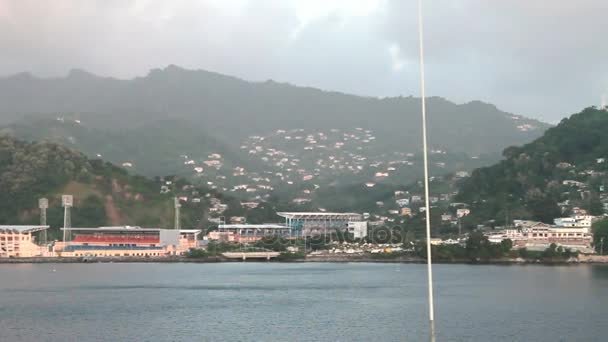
[[103, 193], [155, 148], [563, 169]]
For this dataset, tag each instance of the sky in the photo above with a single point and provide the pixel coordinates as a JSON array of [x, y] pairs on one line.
[[545, 59]]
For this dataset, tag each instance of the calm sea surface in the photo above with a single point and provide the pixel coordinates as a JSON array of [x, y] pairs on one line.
[[300, 302]]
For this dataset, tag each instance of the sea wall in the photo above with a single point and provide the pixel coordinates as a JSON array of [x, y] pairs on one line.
[[596, 259], [582, 259]]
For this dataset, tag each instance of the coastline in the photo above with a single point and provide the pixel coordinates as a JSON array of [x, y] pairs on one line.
[[582, 259]]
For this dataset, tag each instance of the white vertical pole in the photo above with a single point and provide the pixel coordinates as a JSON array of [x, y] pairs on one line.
[[426, 177]]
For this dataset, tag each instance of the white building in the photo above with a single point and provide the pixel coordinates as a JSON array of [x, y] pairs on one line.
[[460, 213], [18, 241]]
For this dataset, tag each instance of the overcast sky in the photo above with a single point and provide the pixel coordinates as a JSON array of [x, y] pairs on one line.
[[541, 58]]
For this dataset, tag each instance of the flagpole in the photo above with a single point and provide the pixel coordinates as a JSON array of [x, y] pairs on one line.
[[426, 177]]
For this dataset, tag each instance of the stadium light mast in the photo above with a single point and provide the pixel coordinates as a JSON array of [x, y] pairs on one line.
[[177, 206], [67, 201], [43, 204], [426, 176]]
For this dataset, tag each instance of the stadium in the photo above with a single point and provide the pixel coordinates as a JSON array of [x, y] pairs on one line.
[[126, 241], [321, 223]]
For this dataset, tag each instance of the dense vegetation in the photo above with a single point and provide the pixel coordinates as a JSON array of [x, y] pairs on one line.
[[153, 148], [103, 193], [479, 249], [600, 237], [529, 182]]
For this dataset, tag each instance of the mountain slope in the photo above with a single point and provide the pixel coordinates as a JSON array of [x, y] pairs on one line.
[[563, 169], [152, 149], [103, 194], [231, 109]]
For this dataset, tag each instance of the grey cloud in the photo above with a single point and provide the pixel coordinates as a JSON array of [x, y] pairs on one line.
[[538, 57], [542, 58]]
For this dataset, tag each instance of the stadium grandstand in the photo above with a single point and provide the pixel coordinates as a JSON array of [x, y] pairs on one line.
[[322, 223], [20, 242], [127, 241]]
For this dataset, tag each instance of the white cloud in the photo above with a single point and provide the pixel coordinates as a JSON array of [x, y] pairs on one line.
[[397, 61], [311, 11]]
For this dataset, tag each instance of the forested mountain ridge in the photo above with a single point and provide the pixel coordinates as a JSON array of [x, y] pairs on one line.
[[230, 109], [565, 168]]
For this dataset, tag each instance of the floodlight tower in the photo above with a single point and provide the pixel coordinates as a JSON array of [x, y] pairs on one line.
[[67, 201], [43, 204], [177, 206], [603, 106]]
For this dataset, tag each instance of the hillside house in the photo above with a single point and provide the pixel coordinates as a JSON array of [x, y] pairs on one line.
[[403, 202], [460, 213]]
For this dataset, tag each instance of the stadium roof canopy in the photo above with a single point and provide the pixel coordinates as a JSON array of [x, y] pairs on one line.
[[253, 226], [22, 229], [115, 229], [320, 216], [128, 229]]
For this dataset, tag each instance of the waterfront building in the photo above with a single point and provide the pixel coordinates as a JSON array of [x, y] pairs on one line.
[[564, 236], [575, 221], [515, 235], [222, 236], [570, 232], [126, 241], [249, 232], [20, 242], [323, 223]]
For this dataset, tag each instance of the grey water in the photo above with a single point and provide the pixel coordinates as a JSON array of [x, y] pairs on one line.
[[300, 302]]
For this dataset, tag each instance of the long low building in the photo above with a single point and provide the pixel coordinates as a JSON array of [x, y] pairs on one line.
[[537, 235], [20, 242], [577, 238], [126, 242], [249, 232], [315, 223]]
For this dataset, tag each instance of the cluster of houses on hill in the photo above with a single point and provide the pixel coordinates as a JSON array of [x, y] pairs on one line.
[[300, 162], [410, 203], [305, 156]]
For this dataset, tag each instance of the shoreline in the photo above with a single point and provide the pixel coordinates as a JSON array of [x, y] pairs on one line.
[[584, 259]]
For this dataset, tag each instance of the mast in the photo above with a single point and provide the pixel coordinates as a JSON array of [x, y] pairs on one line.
[[426, 177], [43, 204], [177, 206], [67, 201]]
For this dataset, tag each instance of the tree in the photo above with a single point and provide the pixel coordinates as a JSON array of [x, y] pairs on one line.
[[595, 205], [479, 247], [551, 252], [544, 209], [506, 245], [476, 242], [600, 233]]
